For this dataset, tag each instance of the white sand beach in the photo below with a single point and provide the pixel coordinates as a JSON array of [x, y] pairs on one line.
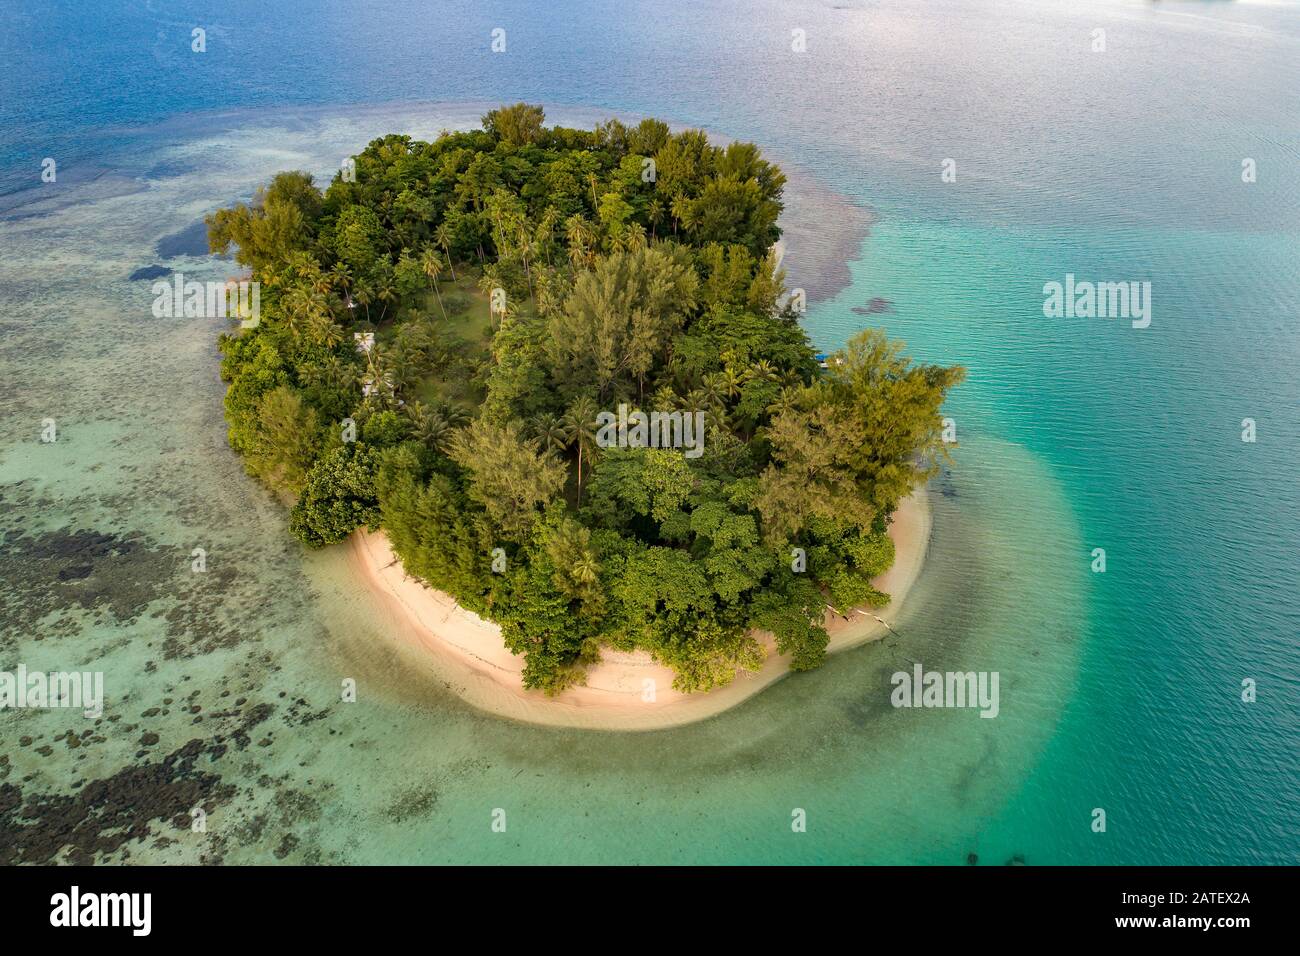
[[470, 655]]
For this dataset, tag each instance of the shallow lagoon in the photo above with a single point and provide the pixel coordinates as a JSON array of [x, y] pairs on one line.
[[1117, 690]]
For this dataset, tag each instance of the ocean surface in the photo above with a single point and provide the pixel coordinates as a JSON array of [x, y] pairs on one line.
[[1120, 691]]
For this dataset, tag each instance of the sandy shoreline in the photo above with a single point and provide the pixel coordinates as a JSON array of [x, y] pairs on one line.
[[468, 651]]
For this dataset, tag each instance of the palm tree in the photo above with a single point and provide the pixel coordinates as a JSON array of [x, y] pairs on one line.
[[431, 426], [433, 268], [434, 430], [364, 296], [337, 373], [405, 366], [633, 236], [763, 371], [585, 569], [551, 290], [526, 241], [321, 281], [457, 415], [580, 237], [323, 330], [387, 294], [341, 278], [488, 282], [296, 309], [732, 381], [307, 310], [416, 410], [580, 429], [550, 431], [512, 311], [716, 389], [442, 236], [786, 401], [545, 235], [377, 376], [664, 399], [655, 214], [331, 373], [695, 401]]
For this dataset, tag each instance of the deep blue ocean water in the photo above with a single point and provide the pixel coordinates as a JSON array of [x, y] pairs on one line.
[[1122, 690]]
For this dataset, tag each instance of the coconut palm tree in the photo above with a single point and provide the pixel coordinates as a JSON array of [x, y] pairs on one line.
[[581, 237], [512, 311], [442, 236], [786, 401], [341, 278], [416, 410], [377, 379], [294, 308], [387, 294], [431, 426], [432, 267], [487, 283], [763, 371], [664, 399], [337, 373], [715, 389], [732, 381], [633, 237], [306, 309], [404, 366], [323, 330], [550, 431], [545, 234], [321, 281], [332, 372], [655, 214], [580, 430], [696, 400], [552, 288], [585, 569], [363, 296], [457, 415]]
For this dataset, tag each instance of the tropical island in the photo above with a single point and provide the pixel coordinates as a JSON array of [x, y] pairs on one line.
[[463, 345]]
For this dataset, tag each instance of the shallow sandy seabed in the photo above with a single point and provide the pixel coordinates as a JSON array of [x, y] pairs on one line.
[[471, 655]]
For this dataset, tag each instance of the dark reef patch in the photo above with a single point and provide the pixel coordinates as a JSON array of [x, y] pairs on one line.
[[411, 804], [59, 571], [53, 580], [169, 169], [107, 814], [190, 241], [875, 307], [150, 272]]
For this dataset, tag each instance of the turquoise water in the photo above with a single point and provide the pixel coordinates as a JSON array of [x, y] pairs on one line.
[[1118, 690]]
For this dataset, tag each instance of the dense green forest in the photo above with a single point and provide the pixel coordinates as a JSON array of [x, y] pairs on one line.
[[518, 281]]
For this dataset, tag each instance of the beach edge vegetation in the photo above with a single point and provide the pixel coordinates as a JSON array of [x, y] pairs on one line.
[[443, 328]]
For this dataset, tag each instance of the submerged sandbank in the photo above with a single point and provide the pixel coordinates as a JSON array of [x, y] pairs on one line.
[[469, 652]]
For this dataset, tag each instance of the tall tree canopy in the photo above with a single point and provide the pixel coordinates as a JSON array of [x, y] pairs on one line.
[[441, 334]]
